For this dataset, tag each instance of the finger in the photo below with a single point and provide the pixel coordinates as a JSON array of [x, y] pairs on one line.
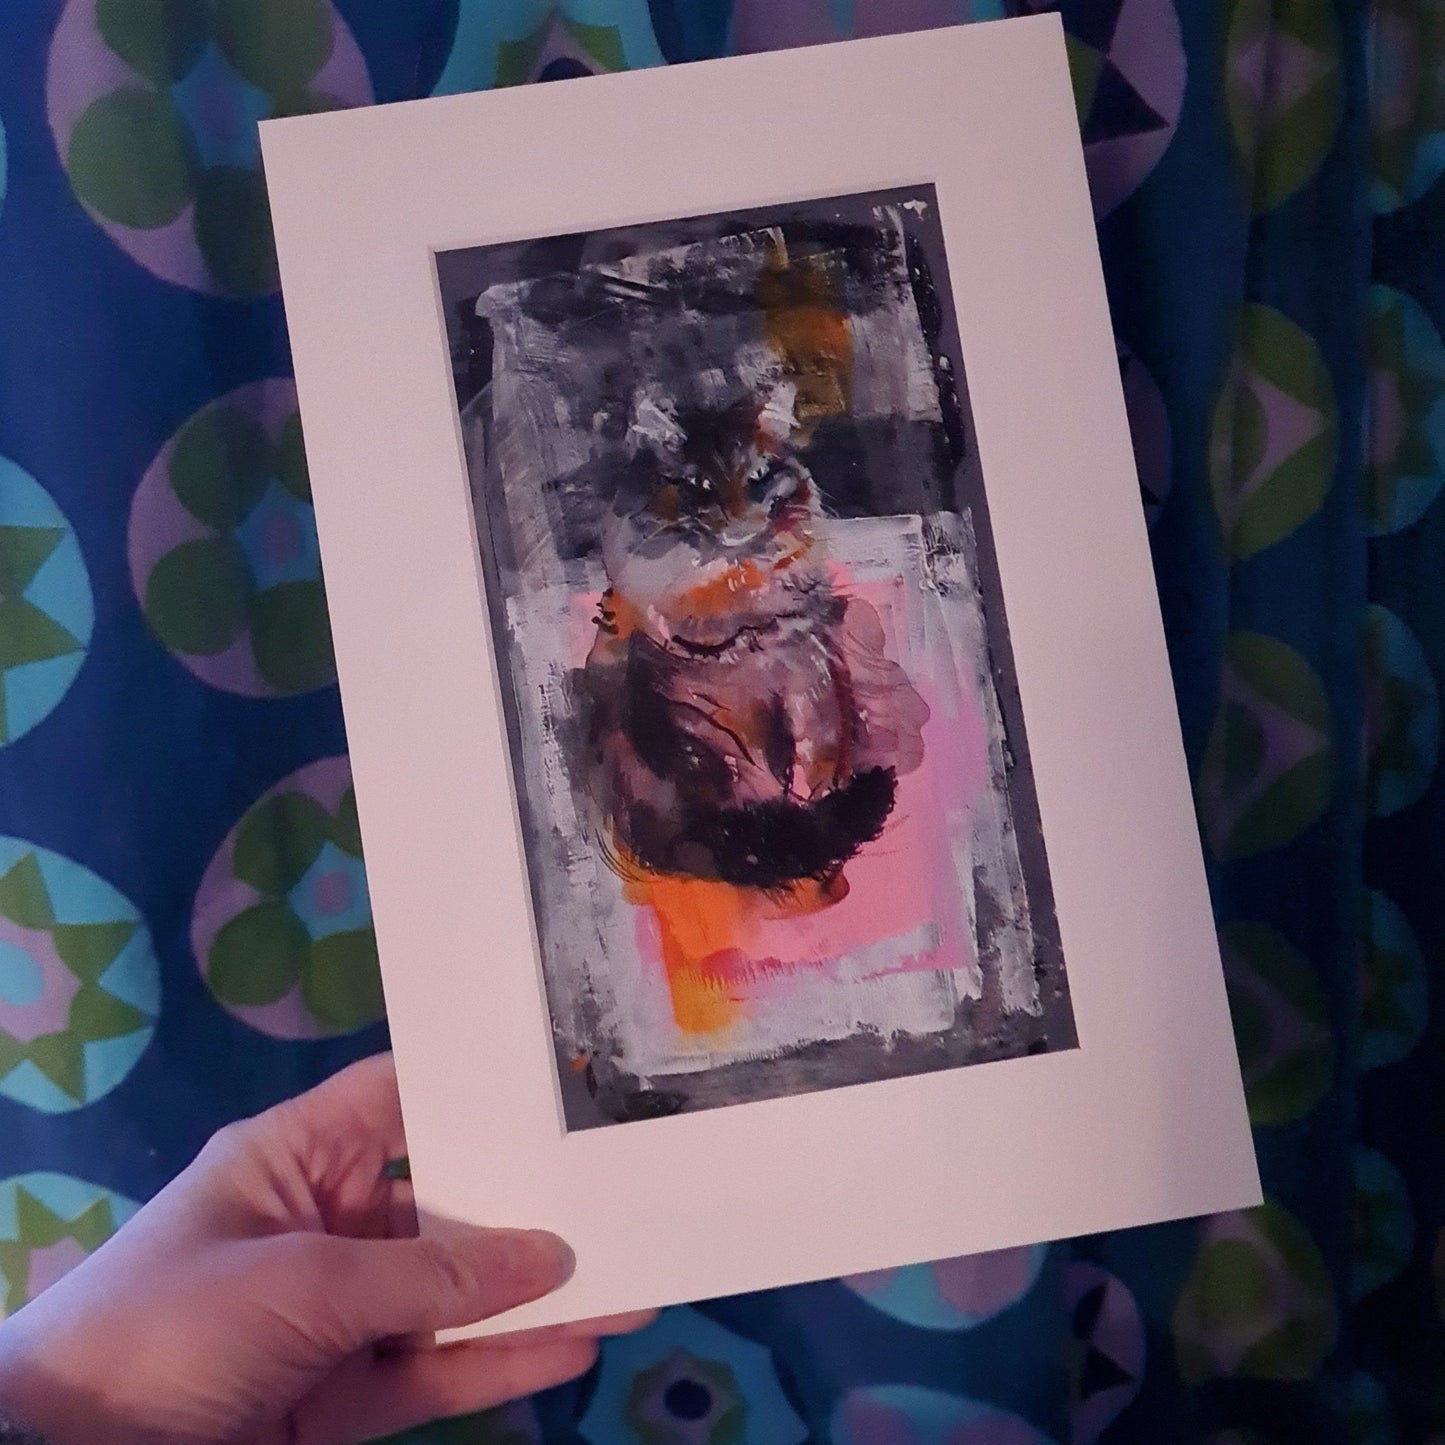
[[360, 1100], [400, 1214], [335, 1143], [598, 1328], [370, 1398], [379, 1289]]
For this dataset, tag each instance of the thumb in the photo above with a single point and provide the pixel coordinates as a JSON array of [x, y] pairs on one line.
[[376, 1289]]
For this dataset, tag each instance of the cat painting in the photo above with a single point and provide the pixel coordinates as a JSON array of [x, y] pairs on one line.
[[742, 721], [772, 783]]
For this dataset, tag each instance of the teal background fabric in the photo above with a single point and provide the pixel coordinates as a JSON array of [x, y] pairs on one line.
[[184, 927]]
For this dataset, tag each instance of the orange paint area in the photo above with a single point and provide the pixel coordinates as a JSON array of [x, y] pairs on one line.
[[618, 617], [719, 596], [708, 932], [808, 328]]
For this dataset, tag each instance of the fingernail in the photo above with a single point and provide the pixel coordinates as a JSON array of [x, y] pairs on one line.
[[537, 1253]]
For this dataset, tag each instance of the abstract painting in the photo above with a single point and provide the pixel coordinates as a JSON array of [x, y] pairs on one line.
[[771, 773]]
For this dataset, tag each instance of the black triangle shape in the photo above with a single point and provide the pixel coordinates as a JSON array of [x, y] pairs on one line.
[[1086, 1312], [1118, 109], [564, 67], [1092, 21], [1101, 1373]]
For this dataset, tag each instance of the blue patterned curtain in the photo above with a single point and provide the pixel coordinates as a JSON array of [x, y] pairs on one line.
[[184, 926]]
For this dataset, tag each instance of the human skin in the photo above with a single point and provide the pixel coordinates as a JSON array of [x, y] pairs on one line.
[[266, 1297]]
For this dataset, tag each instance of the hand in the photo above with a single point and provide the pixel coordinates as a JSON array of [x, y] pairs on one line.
[[252, 1299]]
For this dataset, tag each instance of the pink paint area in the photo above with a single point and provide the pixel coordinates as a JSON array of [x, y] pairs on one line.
[[896, 891], [902, 909]]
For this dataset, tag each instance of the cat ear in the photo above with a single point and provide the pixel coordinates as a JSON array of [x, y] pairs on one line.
[[653, 424], [777, 421]]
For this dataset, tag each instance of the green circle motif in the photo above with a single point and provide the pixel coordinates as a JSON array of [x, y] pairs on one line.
[[166, 156], [266, 951], [219, 466], [279, 840], [131, 159], [1286, 1053], [1258, 1302], [196, 598], [291, 469], [259, 956], [159, 39], [1269, 764], [291, 635], [1274, 435], [233, 230], [243, 604], [277, 45]]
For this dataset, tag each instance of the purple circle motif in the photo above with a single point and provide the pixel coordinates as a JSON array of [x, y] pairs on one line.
[[154, 113], [281, 928], [1128, 66], [895, 17], [914, 1415], [759, 25], [223, 552], [767, 25]]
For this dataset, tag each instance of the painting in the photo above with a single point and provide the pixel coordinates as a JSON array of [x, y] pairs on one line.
[[772, 781], [780, 840]]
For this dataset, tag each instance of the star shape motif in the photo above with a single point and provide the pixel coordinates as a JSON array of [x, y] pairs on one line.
[[39, 1228], [27, 633], [87, 950]]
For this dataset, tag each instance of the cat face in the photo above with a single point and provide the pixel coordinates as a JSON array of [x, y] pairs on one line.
[[724, 478]]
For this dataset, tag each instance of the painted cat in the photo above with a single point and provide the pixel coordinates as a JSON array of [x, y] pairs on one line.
[[739, 718]]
